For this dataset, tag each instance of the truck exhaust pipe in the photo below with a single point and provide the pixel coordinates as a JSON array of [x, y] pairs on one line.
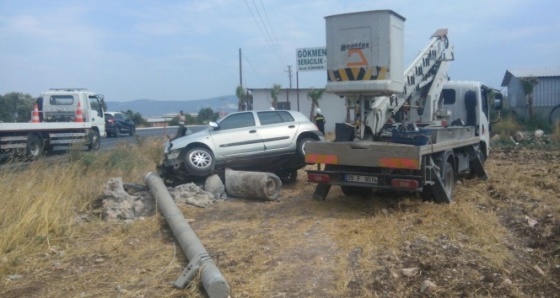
[[212, 279]]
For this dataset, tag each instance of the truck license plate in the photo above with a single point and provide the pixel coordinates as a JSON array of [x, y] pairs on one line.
[[361, 179]]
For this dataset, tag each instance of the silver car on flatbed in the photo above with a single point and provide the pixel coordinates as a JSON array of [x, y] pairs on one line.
[[268, 141]]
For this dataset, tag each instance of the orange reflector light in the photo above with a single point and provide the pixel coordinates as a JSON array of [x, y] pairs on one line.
[[399, 163], [404, 183], [318, 178], [321, 158]]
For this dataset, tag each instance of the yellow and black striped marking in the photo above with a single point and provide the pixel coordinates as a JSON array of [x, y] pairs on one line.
[[370, 73]]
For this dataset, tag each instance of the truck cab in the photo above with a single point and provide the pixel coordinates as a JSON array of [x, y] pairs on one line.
[[64, 104]]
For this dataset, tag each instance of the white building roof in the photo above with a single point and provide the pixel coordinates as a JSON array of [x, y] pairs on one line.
[[538, 72]]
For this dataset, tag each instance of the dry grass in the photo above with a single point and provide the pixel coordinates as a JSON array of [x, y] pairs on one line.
[[296, 247], [507, 127]]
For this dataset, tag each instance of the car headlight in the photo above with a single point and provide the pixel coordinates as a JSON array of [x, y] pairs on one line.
[[173, 154]]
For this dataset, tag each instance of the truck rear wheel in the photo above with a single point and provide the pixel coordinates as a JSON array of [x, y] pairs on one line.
[[34, 146]]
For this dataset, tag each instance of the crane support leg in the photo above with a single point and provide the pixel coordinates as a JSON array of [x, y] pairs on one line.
[[438, 188], [477, 165], [321, 191]]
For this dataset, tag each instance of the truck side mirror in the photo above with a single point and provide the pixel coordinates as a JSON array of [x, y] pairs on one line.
[[498, 98]]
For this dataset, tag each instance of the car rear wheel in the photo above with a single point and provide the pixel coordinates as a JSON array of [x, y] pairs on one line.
[[287, 176], [199, 161], [132, 131]]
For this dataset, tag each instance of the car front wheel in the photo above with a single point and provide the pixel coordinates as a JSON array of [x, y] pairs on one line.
[[301, 146], [199, 161]]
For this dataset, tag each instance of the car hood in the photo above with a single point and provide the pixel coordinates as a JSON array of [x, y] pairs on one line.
[[202, 136]]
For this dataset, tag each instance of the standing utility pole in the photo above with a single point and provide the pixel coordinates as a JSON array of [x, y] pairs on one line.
[[290, 78], [240, 70]]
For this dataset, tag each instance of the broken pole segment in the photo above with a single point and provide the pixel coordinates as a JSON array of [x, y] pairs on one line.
[[252, 185], [212, 279]]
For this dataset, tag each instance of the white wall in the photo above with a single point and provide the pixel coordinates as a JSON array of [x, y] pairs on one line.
[[332, 106]]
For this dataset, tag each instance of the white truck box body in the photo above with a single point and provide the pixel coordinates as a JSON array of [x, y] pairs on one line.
[[368, 53]]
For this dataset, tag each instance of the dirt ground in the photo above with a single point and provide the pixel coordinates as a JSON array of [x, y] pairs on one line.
[[500, 238]]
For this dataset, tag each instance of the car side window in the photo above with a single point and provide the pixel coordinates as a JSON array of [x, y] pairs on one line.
[[237, 121], [286, 116], [267, 118], [119, 116]]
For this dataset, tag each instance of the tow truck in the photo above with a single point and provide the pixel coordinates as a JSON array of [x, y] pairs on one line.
[[61, 117], [413, 130]]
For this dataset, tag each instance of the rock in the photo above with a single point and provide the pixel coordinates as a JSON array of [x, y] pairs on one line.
[[191, 194], [518, 137], [15, 277], [215, 186], [539, 270], [532, 222], [507, 282], [538, 134], [427, 286], [495, 138], [409, 272]]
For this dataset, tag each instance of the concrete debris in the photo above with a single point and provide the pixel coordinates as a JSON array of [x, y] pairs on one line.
[[191, 194], [119, 205], [215, 186]]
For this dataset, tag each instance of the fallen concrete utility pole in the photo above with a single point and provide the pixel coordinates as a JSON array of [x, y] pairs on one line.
[[212, 279], [253, 185]]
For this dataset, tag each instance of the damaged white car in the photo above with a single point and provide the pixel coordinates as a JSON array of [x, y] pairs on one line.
[[268, 141]]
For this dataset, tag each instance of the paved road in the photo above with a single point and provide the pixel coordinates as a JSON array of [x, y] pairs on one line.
[[110, 143]]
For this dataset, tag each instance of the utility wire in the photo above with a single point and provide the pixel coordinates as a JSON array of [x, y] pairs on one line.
[[267, 34]]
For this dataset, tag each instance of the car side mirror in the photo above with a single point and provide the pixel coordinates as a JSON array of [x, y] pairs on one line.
[[214, 125]]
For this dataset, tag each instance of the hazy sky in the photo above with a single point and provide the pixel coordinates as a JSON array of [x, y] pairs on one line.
[[181, 50]]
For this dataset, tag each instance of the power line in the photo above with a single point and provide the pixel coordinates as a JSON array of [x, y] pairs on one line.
[[267, 35]]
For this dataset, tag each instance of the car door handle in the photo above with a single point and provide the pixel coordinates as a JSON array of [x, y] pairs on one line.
[[252, 131], [291, 126]]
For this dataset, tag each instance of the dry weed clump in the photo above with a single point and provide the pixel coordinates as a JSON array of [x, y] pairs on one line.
[[507, 127], [42, 204]]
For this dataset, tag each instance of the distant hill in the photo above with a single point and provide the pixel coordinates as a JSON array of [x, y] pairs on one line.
[[154, 108]]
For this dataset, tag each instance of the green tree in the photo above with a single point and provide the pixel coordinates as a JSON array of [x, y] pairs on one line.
[[274, 94], [242, 98], [528, 84], [16, 107], [206, 115], [315, 95], [136, 117]]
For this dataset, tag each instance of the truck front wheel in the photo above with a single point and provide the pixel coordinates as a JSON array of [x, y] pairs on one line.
[[94, 141], [448, 179]]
